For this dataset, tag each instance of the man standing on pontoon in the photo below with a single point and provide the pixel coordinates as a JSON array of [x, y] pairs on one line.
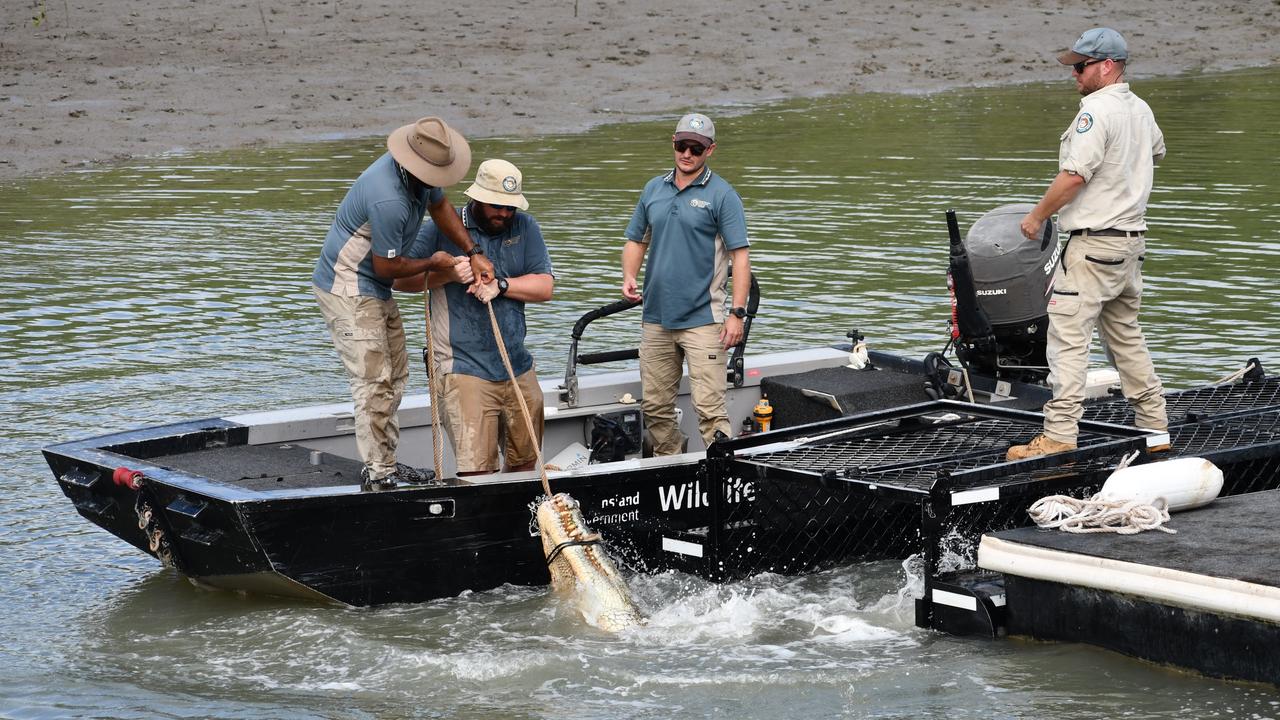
[[1106, 164]]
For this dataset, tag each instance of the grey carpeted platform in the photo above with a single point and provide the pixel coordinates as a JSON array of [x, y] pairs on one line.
[[265, 467], [1232, 537]]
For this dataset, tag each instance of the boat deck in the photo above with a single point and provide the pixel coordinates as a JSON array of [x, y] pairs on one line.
[[1206, 598], [275, 466]]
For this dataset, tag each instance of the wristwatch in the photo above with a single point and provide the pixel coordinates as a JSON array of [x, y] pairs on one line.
[[738, 312], [475, 250], [502, 286]]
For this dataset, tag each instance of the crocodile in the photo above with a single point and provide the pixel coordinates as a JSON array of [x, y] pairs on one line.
[[580, 569]]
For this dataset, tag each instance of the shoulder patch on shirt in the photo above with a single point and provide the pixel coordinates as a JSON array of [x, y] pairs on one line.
[[695, 202], [1084, 122]]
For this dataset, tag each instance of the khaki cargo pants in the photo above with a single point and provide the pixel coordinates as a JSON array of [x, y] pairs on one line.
[[368, 334], [480, 414], [1099, 282], [662, 356]]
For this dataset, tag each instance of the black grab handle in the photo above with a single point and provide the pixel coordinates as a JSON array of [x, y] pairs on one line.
[[610, 309], [608, 356]]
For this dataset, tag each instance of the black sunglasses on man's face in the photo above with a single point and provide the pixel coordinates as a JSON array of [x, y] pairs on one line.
[[691, 146], [1080, 66]]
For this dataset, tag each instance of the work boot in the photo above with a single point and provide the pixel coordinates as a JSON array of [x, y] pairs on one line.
[[368, 483], [409, 475], [1040, 445]]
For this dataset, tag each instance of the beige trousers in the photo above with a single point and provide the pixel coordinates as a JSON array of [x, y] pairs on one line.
[[1099, 282], [368, 334], [662, 356], [479, 414]]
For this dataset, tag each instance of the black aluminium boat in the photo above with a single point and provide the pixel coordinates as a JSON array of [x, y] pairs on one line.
[[884, 461]]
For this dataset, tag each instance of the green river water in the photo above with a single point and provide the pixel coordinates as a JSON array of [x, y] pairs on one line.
[[178, 288]]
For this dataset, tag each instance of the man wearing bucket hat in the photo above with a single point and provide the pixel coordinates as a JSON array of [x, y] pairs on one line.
[[478, 406], [691, 223], [365, 250], [1106, 166]]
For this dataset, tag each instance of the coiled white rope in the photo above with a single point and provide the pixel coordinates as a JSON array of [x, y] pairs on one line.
[[1098, 515]]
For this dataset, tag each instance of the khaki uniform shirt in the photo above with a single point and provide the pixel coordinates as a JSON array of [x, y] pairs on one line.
[[1113, 144]]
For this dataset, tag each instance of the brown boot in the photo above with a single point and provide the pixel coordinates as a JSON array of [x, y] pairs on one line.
[[1040, 445]]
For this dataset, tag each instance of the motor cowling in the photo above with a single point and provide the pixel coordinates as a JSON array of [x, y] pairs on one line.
[[1012, 277]]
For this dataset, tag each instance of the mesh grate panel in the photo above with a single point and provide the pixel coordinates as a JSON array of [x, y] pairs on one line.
[[922, 445], [1198, 404], [1210, 438], [796, 527], [924, 476]]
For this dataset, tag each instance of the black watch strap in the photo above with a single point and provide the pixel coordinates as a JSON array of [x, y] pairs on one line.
[[475, 250], [502, 285], [739, 312]]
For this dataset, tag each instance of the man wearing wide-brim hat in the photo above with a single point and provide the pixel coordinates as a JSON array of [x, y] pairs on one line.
[[1106, 168], [366, 249], [478, 406]]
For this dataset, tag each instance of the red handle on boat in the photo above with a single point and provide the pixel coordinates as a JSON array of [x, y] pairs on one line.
[[124, 477]]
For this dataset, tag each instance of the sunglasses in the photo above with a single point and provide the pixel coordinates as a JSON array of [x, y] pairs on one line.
[[504, 208], [1080, 66], [693, 147]]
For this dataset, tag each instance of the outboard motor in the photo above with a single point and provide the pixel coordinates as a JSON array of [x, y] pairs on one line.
[[1000, 283]]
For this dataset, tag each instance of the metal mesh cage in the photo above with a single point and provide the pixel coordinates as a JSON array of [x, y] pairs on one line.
[[1190, 406], [891, 489], [797, 527]]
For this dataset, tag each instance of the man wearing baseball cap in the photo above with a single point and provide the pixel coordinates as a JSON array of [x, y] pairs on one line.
[[364, 252], [1106, 164], [691, 223], [478, 406]]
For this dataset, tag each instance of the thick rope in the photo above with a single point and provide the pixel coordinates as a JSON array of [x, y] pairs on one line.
[[524, 407], [433, 385], [1096, 515], [1237, 374]]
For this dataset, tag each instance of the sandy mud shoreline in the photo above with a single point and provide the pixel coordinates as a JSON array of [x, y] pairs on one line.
[[106, 81]]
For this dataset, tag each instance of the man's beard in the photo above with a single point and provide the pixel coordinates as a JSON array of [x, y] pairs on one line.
[[496, 225]]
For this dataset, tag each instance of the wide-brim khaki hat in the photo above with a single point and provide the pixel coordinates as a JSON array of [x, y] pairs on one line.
[[498, 182], [435, 153]]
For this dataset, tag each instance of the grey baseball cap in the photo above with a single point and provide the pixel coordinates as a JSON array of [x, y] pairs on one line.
[[696, 127], [1096, 44]]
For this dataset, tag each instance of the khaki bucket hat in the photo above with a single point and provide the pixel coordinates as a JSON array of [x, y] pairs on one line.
[[498, 182], [435, 153]]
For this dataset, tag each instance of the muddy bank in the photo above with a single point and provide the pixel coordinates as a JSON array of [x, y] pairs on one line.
[[106, 81]]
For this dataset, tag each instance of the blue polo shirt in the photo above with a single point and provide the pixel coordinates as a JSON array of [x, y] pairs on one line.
[[461, 335], [378, 216], [689, 232]]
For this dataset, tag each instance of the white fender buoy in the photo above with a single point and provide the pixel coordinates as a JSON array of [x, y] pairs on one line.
[[1183, 483]]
